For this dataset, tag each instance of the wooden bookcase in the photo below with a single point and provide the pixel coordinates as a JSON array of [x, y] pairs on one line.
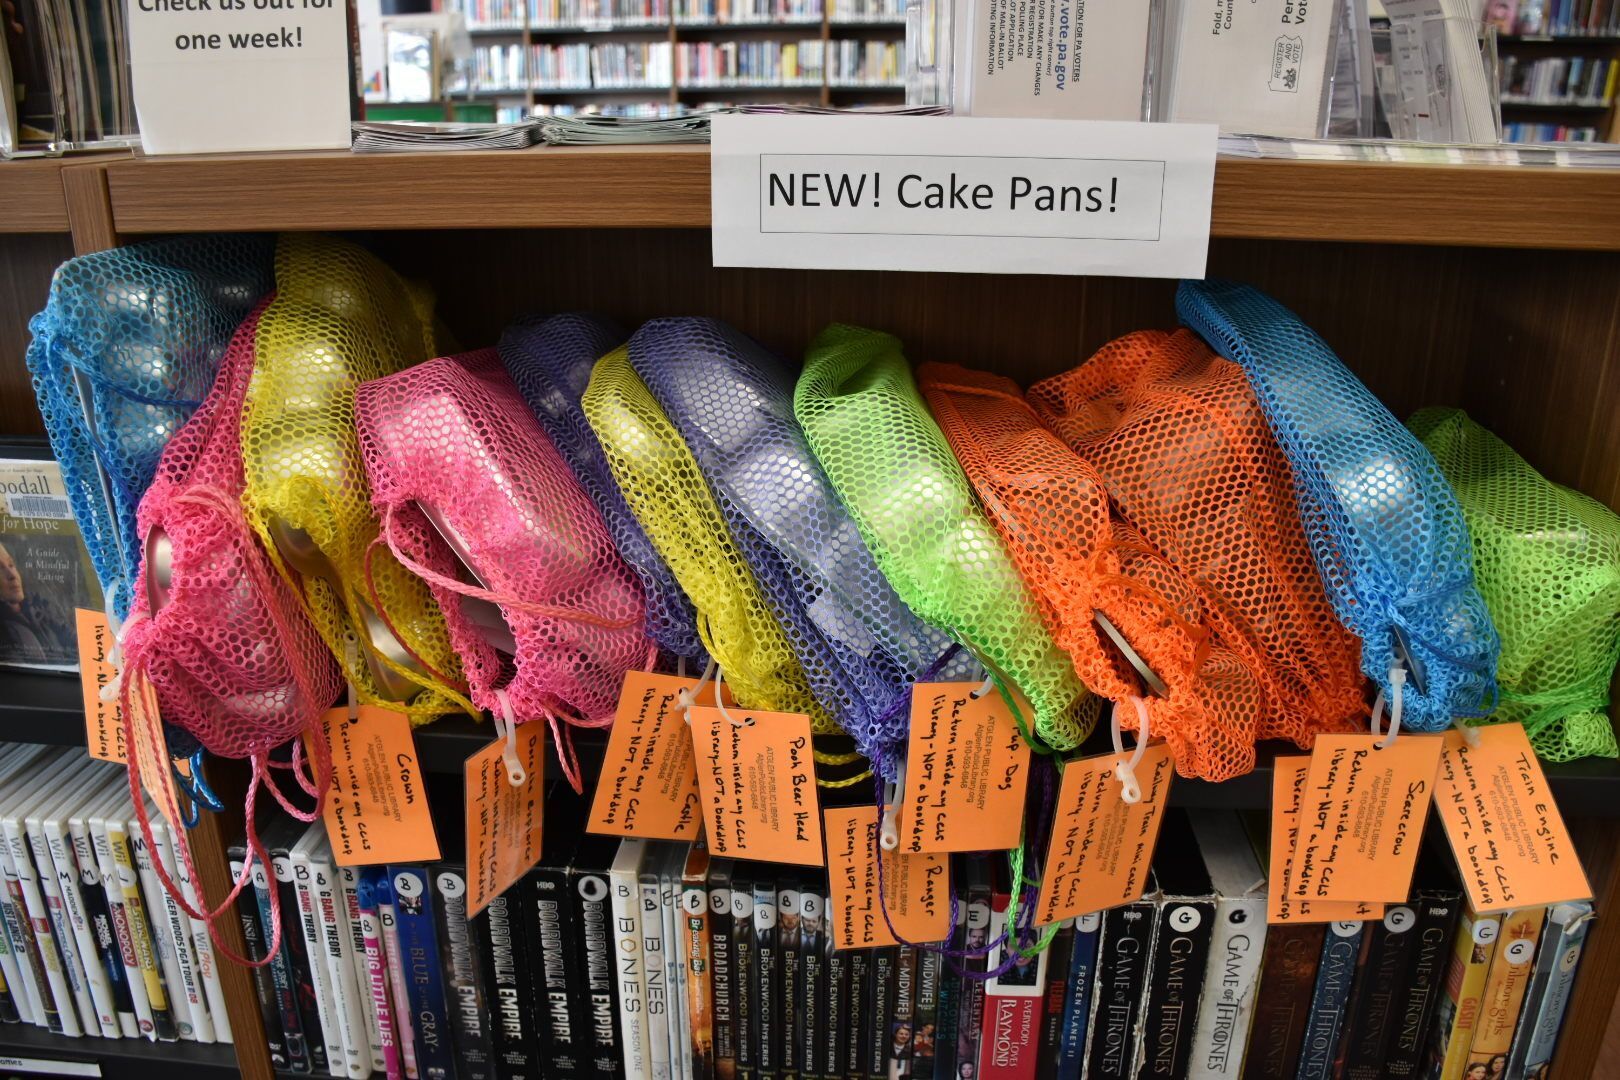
[[1493, 288]]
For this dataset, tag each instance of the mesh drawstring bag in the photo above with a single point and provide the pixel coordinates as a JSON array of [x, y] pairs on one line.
[[550, 360], [858, 643], [1389, 539], [1547, 560], [1081, 560], [124, 351], [459, 469], [896, 476], [341, 317], [1176, 436], [220, 637], [662, 486]]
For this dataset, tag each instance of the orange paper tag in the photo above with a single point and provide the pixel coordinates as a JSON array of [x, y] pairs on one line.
[[916, 888], [1101, 845], [504, 820], [1287, 785], [965, 773], [1361, 817], [1511, 845], [377, 809], [103, 727], [757, 783], [648, 783]]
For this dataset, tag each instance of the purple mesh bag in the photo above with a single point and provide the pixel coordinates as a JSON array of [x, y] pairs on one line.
[[859, 644], [550, 360]]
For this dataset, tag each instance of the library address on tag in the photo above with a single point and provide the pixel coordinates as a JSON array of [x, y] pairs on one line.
[[913, 195]]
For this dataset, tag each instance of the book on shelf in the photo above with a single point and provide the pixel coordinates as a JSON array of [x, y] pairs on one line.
[[45, 571]]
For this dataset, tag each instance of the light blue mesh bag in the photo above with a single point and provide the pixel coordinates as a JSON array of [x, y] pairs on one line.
[[860, 646], [550, 360], [123, 353], [1388, 536]]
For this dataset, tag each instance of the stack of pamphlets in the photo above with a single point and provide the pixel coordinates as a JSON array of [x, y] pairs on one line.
[[372, 137]]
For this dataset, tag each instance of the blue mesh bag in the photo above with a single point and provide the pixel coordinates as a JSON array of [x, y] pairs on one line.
[[550, 360], [860, 646], [123, 353], [1385, 527]]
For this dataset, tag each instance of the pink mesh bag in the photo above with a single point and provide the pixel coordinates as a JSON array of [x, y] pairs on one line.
[[213, 628], [476, 500]]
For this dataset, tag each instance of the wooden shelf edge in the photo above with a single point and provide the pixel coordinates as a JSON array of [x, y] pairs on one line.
[[663, 187]]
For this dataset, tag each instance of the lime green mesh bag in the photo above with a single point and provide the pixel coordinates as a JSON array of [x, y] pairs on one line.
[[660, 481], [1547, 561], [895, 473]]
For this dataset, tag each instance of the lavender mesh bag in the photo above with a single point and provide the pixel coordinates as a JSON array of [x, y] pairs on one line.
[[550, 360], [859, 644]]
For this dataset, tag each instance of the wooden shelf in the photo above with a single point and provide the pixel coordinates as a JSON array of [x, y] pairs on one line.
[[668, 187], [31, 199]]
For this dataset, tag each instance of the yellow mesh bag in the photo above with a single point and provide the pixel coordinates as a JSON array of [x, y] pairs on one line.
[[340, 317], [664, 489], [897, 477]]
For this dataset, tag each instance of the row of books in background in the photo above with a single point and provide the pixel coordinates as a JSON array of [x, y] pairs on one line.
[[877, 11], [1541, 133], [1559, 80], [643, 959], [508, 14], [866, 63], [578, 66], [91, 944], [749, 63], [1555, 18], [703, 12]]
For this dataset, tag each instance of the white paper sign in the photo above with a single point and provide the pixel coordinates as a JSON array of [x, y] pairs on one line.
[[225, 75], [964, 194]]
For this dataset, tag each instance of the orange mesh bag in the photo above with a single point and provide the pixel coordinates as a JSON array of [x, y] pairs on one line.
[[1179, 440], [1081, 561]]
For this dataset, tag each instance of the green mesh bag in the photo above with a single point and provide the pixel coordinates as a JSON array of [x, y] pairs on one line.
[[895, 473], [1547, 561]]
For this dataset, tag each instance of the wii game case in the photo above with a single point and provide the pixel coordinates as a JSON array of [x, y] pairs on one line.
[[103, 930], [137, 916], [21, 996], [201, 940], [173, 934]]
